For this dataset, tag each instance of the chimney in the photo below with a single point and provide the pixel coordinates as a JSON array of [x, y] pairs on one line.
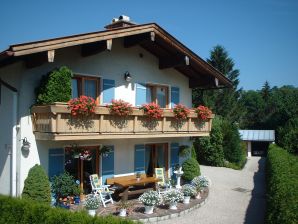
[[122, 21]]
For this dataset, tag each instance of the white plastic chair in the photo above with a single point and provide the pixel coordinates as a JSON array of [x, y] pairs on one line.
[[101, 190]]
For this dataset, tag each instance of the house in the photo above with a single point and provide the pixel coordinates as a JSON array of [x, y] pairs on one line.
[[257, 141], [136, 63]]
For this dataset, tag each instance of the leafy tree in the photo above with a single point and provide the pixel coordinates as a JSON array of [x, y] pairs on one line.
[[55, 87], [288, 135], [266, 91], [37, 186]]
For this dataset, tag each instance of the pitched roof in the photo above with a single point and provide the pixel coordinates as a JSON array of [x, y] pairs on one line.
[[258, 135], [152, 37]]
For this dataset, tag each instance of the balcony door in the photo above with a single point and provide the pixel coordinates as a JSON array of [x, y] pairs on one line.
[[81, 169], [88, 86], [156, 156]]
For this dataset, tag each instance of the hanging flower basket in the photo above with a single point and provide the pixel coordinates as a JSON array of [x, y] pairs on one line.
[[152, 111], [105, 150], [86, 155], [180, 112], [204, 113], [120, 108], [84, 105]]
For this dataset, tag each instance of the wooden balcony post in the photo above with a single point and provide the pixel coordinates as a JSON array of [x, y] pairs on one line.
[[188, 124], [101, 123], [135, 121], [163, 124]]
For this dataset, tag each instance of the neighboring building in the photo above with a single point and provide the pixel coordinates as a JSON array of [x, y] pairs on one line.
[[161, 69], [257, 141]]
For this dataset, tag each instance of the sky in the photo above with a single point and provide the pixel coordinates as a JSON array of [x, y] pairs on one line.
[[261, 36]]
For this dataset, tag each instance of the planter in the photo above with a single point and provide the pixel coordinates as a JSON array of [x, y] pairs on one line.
[[92, 212], [77, 200], [198, 195], [186, 199], [149, 209], [173, 206], [122, 212]]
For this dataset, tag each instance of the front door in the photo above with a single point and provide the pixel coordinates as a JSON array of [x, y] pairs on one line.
[[82, 165], [156, 156]]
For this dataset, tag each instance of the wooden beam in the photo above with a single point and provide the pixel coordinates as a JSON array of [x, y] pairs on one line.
[[51, 55], [134, 40], [96, 47], [171, 62]]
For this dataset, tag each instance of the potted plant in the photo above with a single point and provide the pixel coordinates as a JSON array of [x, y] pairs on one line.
[[204, 113], [188, 192], [83, 105], [180, 112], [172, 197], [105, 150], [92, 203], [152, 111], [120, 108], [123, 207], [138, 176], [150, 199], [64, 186], [200, 182]]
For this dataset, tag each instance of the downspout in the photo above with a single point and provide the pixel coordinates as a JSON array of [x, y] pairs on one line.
[[14, 145]]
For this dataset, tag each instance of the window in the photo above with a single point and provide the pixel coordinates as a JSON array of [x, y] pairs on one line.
[[88, 86], [158, 94]]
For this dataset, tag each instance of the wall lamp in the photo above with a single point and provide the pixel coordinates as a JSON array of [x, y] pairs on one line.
[[26, 144], [127, 77]]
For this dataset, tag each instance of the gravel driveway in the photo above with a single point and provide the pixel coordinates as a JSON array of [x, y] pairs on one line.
[[235, 196]]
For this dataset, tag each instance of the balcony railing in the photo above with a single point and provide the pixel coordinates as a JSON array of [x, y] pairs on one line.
[[54, 122]]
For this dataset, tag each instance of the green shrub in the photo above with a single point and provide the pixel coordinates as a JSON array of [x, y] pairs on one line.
[[191, 169], [282, 190], [231, 142], [209, 149], [287, 136], [55, 87], [64, 185], [14, 210], [37, 186]]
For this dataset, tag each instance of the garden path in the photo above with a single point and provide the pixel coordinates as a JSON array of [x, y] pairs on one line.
[[235, 196]]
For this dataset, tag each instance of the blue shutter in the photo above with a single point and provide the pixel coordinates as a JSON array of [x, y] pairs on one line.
[[175, 96], [108, 165], [141, 93], [108, 90], [56, 162], [174, 157], [140, 158]]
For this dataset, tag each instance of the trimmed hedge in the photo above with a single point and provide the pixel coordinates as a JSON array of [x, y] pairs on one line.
[[191, 169], [282, 190], [14, 210]]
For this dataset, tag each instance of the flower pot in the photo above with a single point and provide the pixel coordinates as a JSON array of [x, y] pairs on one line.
[[173, 206], [122, 212], [149, 209], [77, 200], [186, 199], [92, 212], [198, 195]]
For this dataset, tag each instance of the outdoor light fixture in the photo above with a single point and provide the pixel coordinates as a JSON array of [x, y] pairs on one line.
[[127, 77], [26, 144]]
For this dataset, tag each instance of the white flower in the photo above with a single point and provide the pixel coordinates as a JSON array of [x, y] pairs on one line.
[[189, 190], [200, 182], [150, 198], [172, 196], [92, 202]]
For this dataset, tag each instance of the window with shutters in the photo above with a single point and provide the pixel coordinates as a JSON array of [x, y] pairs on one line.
[[158, 94], [85, 85]]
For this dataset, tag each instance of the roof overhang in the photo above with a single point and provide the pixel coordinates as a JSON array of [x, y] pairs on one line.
[[170, 52]]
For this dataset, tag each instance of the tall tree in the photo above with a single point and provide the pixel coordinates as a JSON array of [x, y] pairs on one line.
[[265, 91], [223, 102]]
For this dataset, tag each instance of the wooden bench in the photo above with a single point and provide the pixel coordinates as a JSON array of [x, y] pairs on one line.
[[130, 186]]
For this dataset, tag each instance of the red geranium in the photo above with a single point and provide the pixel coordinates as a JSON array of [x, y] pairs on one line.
[[152, 110], [84, 105], [204, 113], [120, 108], [180, 111]]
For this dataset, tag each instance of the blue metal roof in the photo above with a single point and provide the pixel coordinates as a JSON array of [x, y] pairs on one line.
[[257, 135]]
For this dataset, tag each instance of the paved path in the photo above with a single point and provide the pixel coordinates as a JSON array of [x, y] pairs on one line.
[[235, 197]]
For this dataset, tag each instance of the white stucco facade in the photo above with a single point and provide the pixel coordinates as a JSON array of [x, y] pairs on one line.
[[106, 65]]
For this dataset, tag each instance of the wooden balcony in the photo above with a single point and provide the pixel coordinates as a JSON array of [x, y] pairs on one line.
[[54, 122]]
